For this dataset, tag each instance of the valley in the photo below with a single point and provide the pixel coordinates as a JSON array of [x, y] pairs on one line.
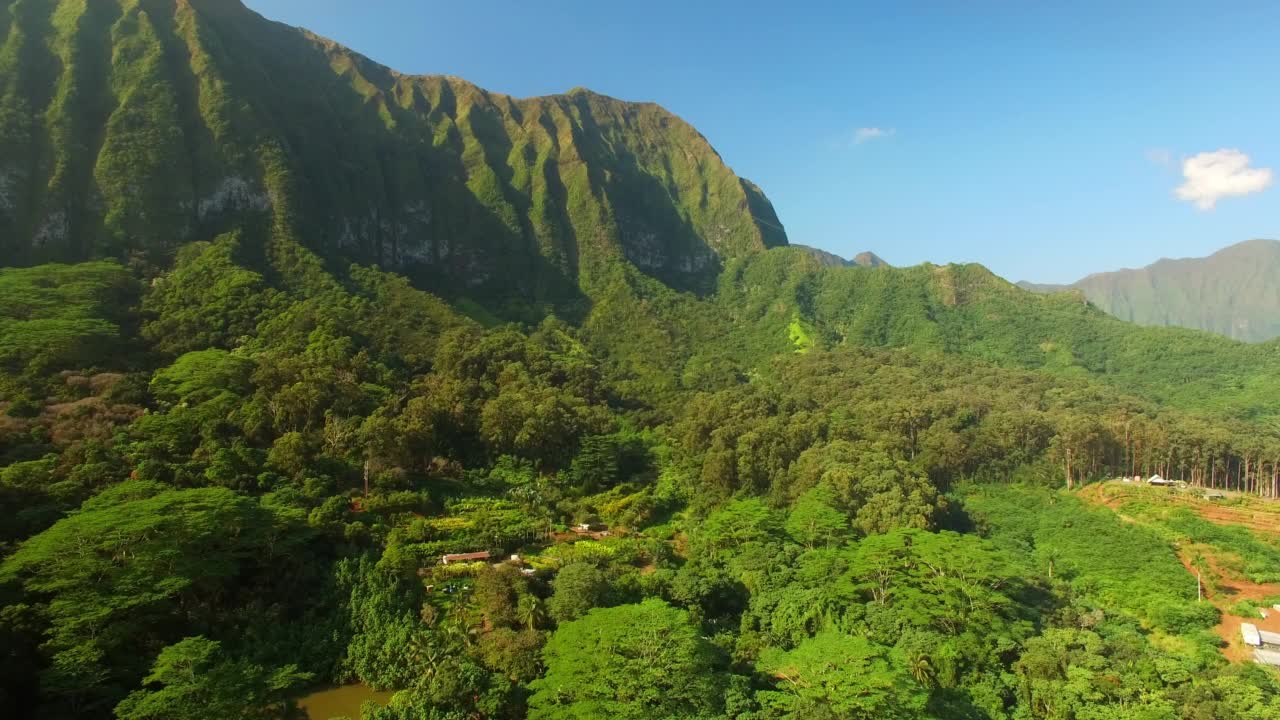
[[321, 382]]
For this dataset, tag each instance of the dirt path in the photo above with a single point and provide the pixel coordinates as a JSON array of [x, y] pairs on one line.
[[1222, 587], [1266, 523], [1257, 514], [1224, 590], [1229, 627]]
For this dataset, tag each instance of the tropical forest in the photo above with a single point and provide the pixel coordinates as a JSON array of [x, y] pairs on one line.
[[317, 378]]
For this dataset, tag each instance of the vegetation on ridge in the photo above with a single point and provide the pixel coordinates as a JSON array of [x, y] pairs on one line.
[[1232, 292], [176, 121], [602, 448], [352, 431]]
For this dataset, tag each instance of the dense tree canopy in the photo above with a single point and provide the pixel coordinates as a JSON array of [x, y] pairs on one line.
[[117, 574], [259, 496], [588, 442], [832, 676], [628, 662], [195, 681]]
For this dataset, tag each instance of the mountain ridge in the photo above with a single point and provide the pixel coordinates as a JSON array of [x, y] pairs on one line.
[[619, 218], [829, 259], [171, 122], [1233, 292]]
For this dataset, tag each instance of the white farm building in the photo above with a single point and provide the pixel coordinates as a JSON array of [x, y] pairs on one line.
[[1266, 644]]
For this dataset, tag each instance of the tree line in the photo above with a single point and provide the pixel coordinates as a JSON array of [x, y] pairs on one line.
[[227, 485]]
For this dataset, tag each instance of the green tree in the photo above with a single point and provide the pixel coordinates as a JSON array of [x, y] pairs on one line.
[[577, 588], [206, 301], [55, 317], [203, 376], [514, 653], [196, 680], [596, 465], [736, 524], [632, 662], [834, 676], [389, 647], [498, 592], [132, 564], [815, 521], [884, 493], [531, 611]]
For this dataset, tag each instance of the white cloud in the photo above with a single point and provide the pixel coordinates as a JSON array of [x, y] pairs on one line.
[[1160, 156], [867, 134], [1211, 176]]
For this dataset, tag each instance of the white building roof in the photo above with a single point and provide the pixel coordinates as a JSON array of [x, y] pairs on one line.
[[1249, 632], [1269, 638], [1267, 657]]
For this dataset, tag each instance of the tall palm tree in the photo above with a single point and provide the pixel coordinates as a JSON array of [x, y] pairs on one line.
[[530, 611], [424, 653], [921, 668], [458, 633]]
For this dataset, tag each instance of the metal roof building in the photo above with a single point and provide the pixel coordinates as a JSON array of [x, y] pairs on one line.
[[464, 557], [1250, 633], [1267, 657]]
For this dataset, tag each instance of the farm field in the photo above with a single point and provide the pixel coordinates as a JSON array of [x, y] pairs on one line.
[[1232, 543]]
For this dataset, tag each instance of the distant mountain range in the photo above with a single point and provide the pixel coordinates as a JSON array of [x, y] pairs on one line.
[[1234, 292], [862, 259]]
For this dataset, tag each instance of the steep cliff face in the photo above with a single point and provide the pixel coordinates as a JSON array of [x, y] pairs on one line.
[[128, 127]]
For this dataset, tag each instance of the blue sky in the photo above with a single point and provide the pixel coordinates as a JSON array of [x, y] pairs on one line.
[[1045, 143]]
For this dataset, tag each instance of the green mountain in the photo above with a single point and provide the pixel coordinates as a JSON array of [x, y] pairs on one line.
[[284, 333], [1234, 292], [132, 128], [129, 127], [863, 259], [965, 310], [869, 259]]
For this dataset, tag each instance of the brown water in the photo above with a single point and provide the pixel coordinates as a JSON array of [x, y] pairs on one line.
[[343, 701]]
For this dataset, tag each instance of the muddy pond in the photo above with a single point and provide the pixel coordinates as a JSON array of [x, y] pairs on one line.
[[343, 701]]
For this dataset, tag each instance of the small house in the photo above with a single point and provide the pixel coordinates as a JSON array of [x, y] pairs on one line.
[[1159, 481], [590, 529], [464, 557]]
